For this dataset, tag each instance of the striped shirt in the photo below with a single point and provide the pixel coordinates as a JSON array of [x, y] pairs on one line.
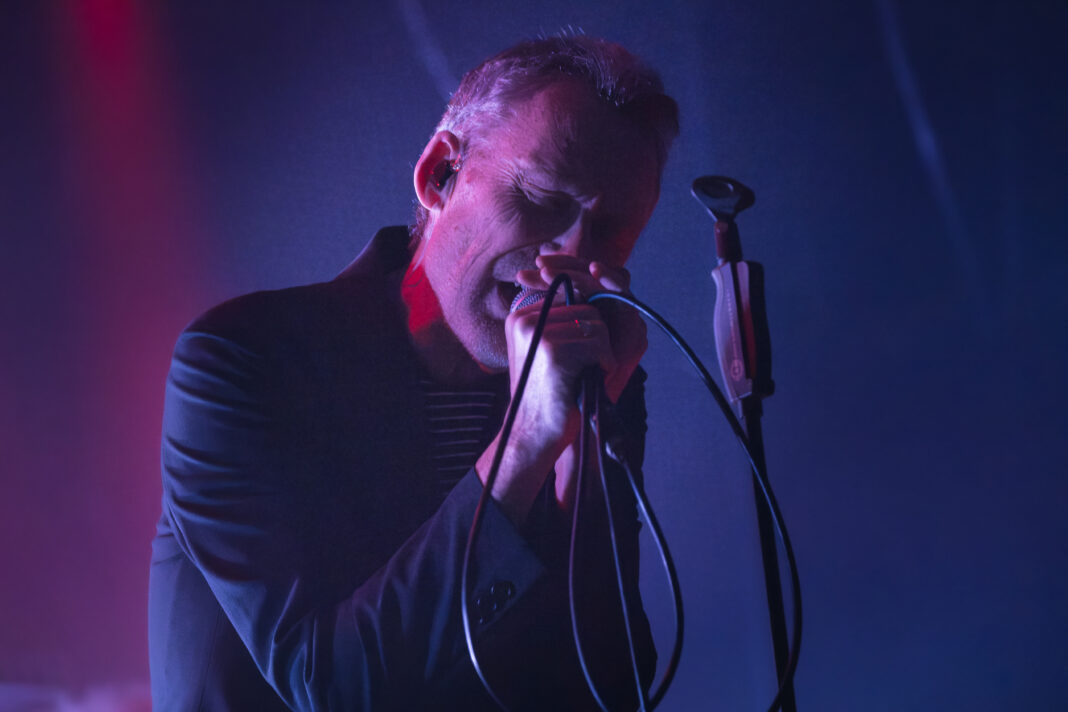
[[460, 423]]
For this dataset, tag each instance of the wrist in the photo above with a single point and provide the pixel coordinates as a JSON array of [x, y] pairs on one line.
[[519, 478]]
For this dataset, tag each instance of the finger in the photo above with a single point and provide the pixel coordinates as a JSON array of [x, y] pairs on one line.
[[553, 265], [585, 312], [605, 275], [541, 279], [527, 317], [616, 279], [574, 338], [581, 279], [531, 278], [589, 341], [562, 262], [576, 323]]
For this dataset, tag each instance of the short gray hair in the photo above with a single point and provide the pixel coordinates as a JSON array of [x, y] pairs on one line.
[[488, 94]]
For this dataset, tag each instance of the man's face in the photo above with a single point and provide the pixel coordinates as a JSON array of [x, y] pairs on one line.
[[566, 175]]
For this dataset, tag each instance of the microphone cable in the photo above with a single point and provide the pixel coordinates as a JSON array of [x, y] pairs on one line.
[[641, 500], [491, 476], [594, 396], [614, 447], [759, 476]]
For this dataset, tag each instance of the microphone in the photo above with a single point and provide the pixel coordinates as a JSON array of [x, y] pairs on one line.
[[529, 296], [526, 297], [608, 424]]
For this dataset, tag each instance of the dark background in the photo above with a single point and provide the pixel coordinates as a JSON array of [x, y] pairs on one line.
[[908, 160]]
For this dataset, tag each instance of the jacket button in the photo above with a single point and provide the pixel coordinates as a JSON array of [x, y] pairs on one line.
[[484, 607], [501, 591]]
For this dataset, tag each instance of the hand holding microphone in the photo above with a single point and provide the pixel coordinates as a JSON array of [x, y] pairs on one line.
[[575, 338], [626, 329]]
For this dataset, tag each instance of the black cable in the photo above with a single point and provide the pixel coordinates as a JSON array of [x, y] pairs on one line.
[[491, 476], [580, 491], [758, 474], [646, 510], [595, 390], [591, 393]]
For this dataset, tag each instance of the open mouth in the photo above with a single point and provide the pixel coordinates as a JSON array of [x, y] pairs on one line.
[[508, 291]]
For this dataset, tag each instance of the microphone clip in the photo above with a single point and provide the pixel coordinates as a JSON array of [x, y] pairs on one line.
[[740, 317]]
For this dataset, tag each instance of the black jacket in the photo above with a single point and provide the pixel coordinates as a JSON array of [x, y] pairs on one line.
[[303, 557]]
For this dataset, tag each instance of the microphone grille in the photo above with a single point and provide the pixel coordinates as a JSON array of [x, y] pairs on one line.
[[526, 297]]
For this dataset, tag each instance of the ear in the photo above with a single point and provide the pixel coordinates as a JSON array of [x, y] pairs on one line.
[[434, 168]]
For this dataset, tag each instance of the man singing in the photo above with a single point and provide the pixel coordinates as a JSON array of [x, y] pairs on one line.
[[325, 447]]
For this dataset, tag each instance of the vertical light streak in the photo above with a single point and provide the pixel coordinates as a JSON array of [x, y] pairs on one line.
[[930, 153]]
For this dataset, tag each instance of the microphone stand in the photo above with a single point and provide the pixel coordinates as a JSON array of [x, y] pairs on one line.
[[744, 348]]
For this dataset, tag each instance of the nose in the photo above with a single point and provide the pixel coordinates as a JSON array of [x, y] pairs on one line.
[[576, 239]]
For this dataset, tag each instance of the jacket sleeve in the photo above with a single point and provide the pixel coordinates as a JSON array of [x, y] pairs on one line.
[[230, 475]]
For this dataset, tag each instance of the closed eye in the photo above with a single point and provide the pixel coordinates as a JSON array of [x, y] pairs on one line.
[[544, 214]]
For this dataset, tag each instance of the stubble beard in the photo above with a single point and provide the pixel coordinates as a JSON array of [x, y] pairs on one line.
[[486, 343]]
